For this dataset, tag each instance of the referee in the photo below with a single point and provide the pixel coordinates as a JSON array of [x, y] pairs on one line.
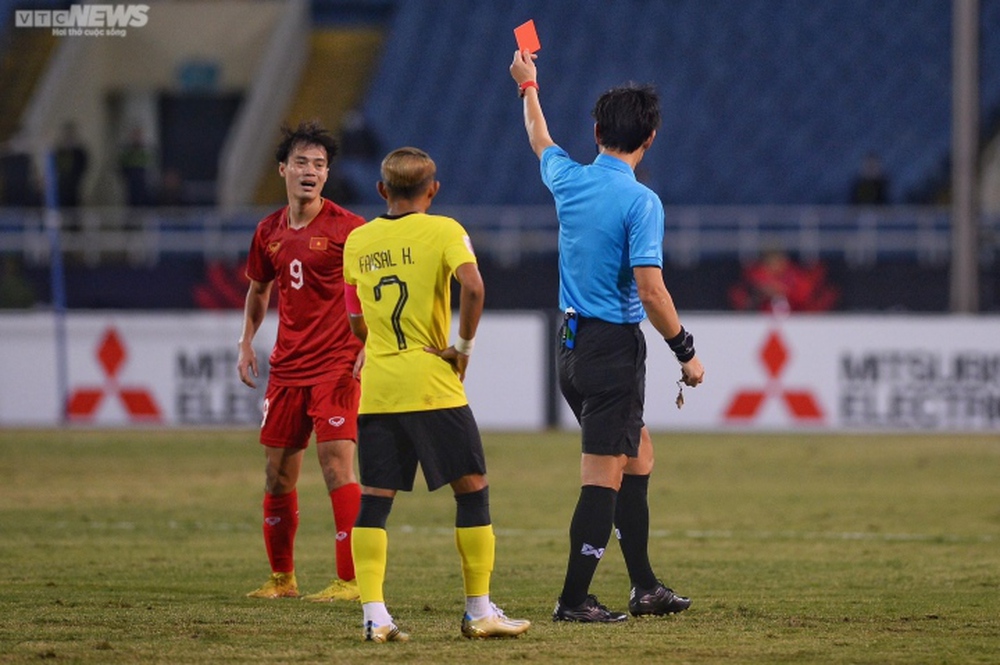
[[610, 279]]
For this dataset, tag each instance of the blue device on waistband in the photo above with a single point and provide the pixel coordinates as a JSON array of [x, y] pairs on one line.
[[570, 321]]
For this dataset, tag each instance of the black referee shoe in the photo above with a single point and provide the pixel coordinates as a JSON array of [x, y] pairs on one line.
[[656, 601], [589, 611]]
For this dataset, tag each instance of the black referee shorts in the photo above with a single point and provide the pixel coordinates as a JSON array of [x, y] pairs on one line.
[[603, 379], [445, 442]]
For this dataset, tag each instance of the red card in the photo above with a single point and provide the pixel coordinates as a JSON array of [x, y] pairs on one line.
[[527, 37]]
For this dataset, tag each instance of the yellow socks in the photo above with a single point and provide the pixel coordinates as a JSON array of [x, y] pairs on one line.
[[369, 547], [476, 545]]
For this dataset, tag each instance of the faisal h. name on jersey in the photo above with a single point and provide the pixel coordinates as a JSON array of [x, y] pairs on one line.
[[383, 259]]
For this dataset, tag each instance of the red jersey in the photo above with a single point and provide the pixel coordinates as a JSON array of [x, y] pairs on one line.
[[314, 341]]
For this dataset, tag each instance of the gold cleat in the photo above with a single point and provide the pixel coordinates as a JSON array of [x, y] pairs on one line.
[[338, 590], [495, 625], [387, 633], [279, 585]]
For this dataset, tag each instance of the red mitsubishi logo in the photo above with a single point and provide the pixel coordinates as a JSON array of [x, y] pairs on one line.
[[111, 356], [800, 403]]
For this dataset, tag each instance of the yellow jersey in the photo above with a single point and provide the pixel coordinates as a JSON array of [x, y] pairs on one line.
[[402, 267]]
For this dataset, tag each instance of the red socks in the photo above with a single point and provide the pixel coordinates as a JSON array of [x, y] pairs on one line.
[[281, 520], [346, 501]]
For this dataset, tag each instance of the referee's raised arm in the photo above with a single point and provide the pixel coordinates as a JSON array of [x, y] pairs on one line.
[[525, 74]]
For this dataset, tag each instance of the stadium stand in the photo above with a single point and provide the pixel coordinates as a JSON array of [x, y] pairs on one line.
[[770, 102], [766, 101]]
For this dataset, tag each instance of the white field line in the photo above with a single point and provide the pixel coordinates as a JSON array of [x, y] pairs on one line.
[[667, 534]]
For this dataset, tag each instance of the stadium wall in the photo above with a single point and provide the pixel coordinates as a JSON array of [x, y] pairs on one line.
[[837, 373]]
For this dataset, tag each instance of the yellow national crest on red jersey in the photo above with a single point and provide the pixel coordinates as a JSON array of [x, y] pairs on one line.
[[273, 247], [318, 243]]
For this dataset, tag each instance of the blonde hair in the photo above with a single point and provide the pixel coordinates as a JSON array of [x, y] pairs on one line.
[[407, 172]]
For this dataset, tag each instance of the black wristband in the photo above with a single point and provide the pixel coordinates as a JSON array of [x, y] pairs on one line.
[[682, 344]]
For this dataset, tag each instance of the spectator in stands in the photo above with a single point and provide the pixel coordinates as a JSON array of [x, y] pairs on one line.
[[16, 292], [71, 159], [19, 181], [775, 283], [135, 164], [339, 188], [871, 186], [358, 145], [357, 140], [171, 191]]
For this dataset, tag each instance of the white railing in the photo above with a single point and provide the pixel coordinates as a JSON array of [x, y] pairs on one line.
[[860, 236]]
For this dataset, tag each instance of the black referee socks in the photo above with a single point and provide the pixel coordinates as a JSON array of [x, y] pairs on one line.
[[589, 533], [632, 523]]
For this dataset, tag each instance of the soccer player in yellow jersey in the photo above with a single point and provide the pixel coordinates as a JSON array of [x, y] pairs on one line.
[[397, 277]]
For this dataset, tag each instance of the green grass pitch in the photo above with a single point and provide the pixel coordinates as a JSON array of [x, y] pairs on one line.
[[138, 547]]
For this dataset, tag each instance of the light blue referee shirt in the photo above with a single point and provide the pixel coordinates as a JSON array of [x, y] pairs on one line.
[[609, 223]]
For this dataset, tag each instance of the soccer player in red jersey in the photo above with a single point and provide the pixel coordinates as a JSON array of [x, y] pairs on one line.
[[311, 385]]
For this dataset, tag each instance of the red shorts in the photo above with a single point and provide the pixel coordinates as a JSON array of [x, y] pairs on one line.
[[292, 413]]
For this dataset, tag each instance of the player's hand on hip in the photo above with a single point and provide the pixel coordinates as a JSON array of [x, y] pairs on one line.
[[692, 372], [523, 67], [458, 361]]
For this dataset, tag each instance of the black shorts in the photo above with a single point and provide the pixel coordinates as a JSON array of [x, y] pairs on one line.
[[603, 379], [445, 442]]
